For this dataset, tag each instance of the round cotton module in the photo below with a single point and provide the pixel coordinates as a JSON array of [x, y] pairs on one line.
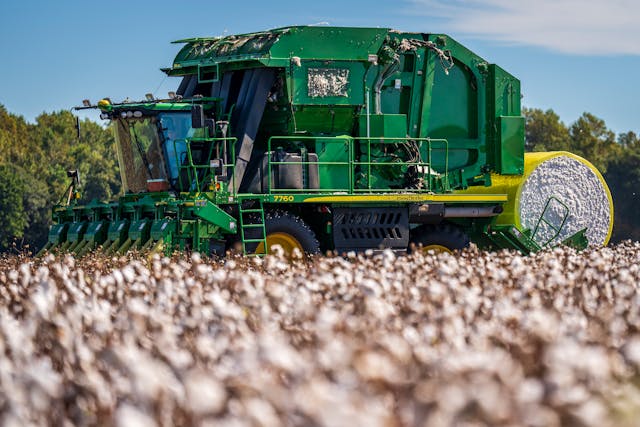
[[558, 195], [562, 194]]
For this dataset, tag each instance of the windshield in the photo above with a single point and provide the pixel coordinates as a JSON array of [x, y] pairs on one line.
[[176, 127], [139, 152], [154, 148]]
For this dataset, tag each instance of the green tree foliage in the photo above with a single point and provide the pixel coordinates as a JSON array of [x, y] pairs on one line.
[[629, 140], [591, 139], [34, 159], [623, 177], [14, 131], [93, 154], [545, 131], [13, 220]]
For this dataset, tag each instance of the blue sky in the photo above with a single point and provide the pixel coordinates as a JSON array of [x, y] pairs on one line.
[[571, 55]]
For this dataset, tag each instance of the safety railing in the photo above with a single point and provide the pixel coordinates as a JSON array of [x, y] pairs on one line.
[[366, 160], [200, 172]]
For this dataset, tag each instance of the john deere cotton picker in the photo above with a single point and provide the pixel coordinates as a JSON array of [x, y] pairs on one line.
[[323, 138]]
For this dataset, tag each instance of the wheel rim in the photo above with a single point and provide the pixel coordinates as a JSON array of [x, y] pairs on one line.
[[438, 249], [285, 240]]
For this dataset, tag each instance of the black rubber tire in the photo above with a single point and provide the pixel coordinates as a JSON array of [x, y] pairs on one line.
[[286, 222], [278, 221], [447, 235]]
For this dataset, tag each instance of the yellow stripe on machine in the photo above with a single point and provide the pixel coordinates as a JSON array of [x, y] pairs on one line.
[[411, 198]]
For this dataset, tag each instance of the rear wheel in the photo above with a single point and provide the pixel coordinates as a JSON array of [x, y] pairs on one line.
[[438, 238], [290, 232]]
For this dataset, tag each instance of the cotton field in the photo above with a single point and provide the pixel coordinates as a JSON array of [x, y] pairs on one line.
[[473, 339]]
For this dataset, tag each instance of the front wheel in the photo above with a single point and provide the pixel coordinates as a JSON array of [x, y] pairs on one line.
[[290, 232], [438, 238]]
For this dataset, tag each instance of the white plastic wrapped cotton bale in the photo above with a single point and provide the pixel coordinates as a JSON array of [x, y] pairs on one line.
[[558, 195]]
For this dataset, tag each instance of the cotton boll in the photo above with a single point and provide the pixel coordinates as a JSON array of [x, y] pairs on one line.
[[196, 258], [205, 395], [375, 366], [632, 351], [530, 390], [13, 275], [261, 413], [276, 351], [130, 416], [44, 377], [335, 354], [118, 277]]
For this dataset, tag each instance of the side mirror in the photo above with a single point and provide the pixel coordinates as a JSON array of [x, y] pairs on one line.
[[197, 117], [74, 175]]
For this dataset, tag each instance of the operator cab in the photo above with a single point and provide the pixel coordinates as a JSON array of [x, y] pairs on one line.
[[157, 146]]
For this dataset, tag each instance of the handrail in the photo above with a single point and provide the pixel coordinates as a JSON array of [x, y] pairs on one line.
[[192, 168], [427, 173], [365, 159]]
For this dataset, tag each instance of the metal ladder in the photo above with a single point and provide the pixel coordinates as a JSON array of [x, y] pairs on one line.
[[246, 226]]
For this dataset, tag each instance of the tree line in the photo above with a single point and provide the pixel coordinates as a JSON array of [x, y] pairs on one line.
[[35, 158]]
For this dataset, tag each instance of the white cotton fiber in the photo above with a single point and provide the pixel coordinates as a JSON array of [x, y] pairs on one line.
[[566, 187]]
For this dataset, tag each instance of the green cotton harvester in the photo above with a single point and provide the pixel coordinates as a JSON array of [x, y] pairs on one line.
[[342, 139]]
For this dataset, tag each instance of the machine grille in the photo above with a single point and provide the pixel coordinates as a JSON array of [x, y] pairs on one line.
[[362, 228]]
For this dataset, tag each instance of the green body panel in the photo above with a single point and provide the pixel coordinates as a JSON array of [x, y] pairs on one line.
[[58, 234], [384, 125], [154, 106], [118, 230], [161, 229], [454, 104], [96, 232], [511, 145], [215, 216], [578, 241], [320, 120], [139, 230], [503, 101], [76, 231], [333, 170], [276, 47], [452, 108]]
